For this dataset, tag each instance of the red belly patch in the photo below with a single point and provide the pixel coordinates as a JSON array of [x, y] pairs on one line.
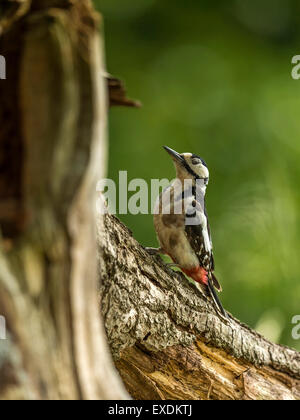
[[198, 274]]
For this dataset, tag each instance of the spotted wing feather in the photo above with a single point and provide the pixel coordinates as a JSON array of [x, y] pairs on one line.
[[196, 236]]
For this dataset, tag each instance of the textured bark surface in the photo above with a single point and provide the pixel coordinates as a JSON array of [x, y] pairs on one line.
[[53, 116], [167, 340]]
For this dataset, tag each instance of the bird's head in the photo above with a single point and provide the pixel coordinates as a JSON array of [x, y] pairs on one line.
[[189, 166]]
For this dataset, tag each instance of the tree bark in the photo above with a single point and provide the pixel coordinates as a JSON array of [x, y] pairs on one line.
[[169, 343], [52, 152]]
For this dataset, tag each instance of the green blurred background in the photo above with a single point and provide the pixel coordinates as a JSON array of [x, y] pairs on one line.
[[215, 79]]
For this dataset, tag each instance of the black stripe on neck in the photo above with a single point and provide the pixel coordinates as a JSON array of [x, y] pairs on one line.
[[191, 172]]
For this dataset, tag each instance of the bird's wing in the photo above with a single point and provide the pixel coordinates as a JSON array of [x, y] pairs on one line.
[[198, 232]]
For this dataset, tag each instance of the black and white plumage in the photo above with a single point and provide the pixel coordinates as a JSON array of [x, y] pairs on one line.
[[182, 225], [199, 236]]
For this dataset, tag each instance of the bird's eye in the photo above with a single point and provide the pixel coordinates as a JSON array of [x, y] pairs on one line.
[[196, 161]]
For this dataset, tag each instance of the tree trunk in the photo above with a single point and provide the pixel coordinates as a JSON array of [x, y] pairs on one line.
[[169, 343], [52, 152]]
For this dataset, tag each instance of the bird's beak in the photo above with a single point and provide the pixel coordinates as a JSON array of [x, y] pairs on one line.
[[174, 155]]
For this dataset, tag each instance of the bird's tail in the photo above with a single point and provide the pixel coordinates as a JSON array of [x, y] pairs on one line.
[[207, 283], [215, 298]]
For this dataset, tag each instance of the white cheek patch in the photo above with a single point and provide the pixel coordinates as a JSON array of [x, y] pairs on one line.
[[205, 171], [201, 171]]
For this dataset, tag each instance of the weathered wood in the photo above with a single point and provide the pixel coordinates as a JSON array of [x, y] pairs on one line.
[[168, 342], [48, 265]]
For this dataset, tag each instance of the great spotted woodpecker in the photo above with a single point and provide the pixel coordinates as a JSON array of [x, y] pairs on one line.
[[182, 226]]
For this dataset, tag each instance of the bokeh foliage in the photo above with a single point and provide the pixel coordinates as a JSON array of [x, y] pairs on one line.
[[215, 79]]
